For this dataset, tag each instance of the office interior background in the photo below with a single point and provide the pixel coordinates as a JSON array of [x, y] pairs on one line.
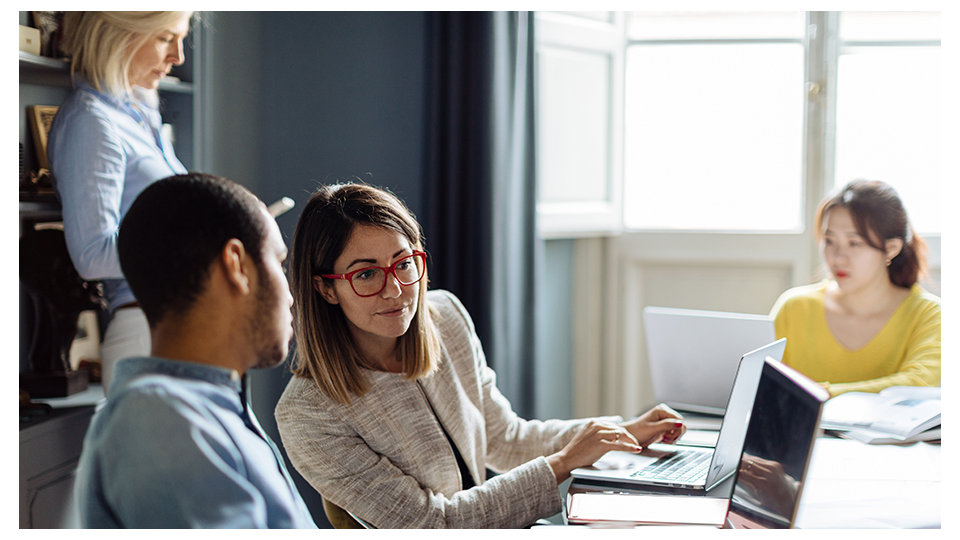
[[571, 168]]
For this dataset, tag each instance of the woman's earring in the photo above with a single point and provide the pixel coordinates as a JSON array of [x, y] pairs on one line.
[[889, 261]]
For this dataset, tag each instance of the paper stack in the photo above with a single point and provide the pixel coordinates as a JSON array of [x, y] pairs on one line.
[[899, 414]]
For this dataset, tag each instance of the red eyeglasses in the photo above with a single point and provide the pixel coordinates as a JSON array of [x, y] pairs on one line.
[[369, 281]]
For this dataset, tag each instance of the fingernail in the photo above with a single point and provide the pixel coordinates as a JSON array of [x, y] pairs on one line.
[[677, 424]]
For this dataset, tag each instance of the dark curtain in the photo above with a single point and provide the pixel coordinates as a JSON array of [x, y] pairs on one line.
[[480, 193]]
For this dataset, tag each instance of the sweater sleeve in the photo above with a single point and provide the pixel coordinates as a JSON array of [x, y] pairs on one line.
[[340, 465]]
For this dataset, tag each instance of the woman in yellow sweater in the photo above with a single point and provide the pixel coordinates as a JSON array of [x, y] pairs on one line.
[[870, 325]]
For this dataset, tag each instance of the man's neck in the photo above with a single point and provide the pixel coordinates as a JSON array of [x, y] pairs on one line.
[[195, 339]]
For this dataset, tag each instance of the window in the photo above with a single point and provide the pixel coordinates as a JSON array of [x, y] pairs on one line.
[[888, 107], [731, 121], [714, 121]]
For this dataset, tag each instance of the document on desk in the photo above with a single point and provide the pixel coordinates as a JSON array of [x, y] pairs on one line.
[[636, 509], [853, 485], [899, 412]]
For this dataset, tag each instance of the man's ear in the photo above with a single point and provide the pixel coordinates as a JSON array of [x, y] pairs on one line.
[[892, 247], [237, 265], [325, 290]]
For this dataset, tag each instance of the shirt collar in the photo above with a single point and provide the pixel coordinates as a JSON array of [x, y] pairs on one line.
[[133, 104], [133, 367]]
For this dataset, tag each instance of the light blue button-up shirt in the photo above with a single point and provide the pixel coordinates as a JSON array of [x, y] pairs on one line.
[[104, 150], [176, 445]]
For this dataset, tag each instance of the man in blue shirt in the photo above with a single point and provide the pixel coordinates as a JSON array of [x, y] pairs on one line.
[[176, 444]]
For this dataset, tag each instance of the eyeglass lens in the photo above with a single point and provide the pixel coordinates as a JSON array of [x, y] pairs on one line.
[[371, 281]]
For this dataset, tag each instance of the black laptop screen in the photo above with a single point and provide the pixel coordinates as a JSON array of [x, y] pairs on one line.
[[783, 426]]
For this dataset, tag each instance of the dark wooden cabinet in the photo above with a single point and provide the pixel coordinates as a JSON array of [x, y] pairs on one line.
[[49, 450]]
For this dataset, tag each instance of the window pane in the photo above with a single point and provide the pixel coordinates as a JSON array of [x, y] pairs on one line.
[[889, 25], [714, 137], [602, 16], [888, 125], [572, 125], [705, 25]]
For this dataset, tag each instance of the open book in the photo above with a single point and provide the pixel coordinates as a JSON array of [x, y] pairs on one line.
[[894, 415]]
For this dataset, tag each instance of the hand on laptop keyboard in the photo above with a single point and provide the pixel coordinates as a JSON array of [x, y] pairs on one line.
[[659, 424], [592, 441]]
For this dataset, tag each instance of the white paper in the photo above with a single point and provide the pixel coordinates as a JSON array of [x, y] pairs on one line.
[[901, 411], [680, 509]]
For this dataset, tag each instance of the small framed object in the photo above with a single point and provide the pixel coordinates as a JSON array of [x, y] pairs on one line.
[[30, 40], [41, 118]]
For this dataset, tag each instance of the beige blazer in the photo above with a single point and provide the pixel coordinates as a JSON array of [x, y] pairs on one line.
[[385, 458]]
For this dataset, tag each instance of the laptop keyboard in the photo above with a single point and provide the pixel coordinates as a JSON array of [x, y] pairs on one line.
[[681, 467]]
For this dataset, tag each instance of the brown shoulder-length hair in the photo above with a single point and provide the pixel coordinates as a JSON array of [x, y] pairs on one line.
[[326, 351], [879, 215]]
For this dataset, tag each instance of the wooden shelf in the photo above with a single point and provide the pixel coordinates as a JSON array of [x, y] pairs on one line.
[[45, 67]]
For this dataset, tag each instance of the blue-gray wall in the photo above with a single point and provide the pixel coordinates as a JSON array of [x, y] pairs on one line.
[[296, 99], [554, 320], [300, 98]]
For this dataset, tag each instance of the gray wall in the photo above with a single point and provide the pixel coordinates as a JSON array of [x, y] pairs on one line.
[[296, 99], [554, 319]]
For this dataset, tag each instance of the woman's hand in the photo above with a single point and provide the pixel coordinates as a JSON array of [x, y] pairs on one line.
[[593, 441], [659, 424]]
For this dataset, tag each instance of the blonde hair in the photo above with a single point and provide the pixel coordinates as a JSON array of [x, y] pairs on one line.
[[325, 351], [102, 44]]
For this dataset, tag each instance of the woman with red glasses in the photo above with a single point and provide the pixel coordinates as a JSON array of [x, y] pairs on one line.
[[393, 414]]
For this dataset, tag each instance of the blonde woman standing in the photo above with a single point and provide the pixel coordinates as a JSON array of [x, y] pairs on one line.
[[106, 147]]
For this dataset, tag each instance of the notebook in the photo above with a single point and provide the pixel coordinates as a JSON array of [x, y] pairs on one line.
[[779, 442], [708, 343], [667, 465]]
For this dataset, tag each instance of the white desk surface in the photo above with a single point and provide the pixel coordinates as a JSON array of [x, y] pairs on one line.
[[851, 484], [855, 485]]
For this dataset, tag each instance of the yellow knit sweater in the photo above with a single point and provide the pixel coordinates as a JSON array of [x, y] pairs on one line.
[[906, 351]]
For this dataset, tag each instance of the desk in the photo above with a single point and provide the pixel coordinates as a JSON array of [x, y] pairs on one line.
[[854, 485], [851, 484]]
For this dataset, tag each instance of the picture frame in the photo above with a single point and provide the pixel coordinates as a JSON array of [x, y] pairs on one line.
[[41, 118]]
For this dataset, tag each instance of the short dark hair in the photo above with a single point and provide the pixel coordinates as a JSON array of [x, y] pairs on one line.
[[174, 231], [878, 215]]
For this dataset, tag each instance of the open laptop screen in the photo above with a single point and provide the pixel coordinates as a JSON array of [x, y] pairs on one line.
[[681, 342], [783, 427]]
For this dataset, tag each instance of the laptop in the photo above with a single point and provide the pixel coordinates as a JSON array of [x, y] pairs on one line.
[[691, 468], [783, 427], [708, 343]]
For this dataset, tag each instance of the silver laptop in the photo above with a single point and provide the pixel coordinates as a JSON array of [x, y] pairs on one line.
[[692, 468], [681, 342], [779, 442]]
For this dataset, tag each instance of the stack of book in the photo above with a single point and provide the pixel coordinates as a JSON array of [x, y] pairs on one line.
[[895, 415]]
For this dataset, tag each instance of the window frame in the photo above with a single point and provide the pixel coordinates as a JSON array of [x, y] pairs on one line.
[[822, 50]]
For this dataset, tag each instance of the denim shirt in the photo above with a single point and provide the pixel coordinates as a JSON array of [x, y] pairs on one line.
[[104, 150], [176, 445]]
